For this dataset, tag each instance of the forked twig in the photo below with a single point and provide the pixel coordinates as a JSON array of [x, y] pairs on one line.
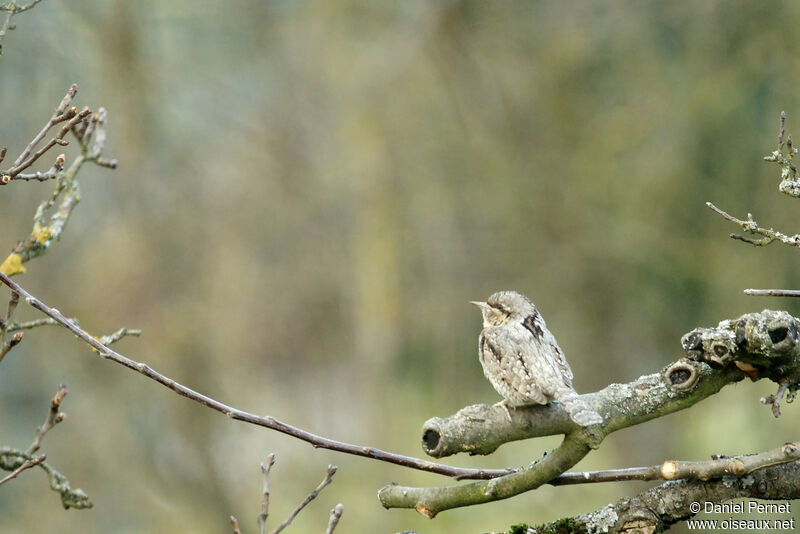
[[310, 497], [27, 464], [54, 416]]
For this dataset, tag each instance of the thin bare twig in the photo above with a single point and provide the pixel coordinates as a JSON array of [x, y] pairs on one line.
[[772, 292], [5, 343], [54, 416], [17, 8], [265, 469], [63, 113], [235, 524], [310, 497], [11, 9], [15, 459], [119, 334], [240, 415], [51, 174], [336, 514], [776, 398], [639, 473], [27, 464], [89, 130], [29, 325], [10, 344]]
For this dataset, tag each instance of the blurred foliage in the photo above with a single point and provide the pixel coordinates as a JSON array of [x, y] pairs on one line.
[[308, 196]]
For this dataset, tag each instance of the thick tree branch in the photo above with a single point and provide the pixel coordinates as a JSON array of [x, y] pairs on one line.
[[481, 428], [656, 509], [759, 345], [431, 501]]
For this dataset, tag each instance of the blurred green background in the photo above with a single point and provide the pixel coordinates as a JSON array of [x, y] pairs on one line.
[[308, 196]]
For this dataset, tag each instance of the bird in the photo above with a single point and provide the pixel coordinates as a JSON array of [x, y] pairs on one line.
[[522, 359]]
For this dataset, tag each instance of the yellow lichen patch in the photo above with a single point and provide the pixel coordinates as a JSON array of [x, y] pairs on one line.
[[42, 234], [12, 265]]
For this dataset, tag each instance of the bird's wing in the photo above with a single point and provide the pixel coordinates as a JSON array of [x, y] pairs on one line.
[[545, 342], [508, 366]]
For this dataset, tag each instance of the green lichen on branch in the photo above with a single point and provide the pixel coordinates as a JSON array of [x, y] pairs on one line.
[[89, 130], [11, 459], [567, 525], [783, 156], [761, 345], [16, 460], [431, 501]]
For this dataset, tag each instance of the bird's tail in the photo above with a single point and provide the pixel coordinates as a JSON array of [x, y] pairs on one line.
[[579, 410]]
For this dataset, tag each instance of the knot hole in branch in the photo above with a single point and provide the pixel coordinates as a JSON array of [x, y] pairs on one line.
[[431, 440], [681, 376], [777, 335]]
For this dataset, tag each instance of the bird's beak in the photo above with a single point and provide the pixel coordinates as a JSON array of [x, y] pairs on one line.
[[481, 305]]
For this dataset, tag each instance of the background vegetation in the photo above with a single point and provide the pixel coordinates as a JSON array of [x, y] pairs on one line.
[[308, 196]]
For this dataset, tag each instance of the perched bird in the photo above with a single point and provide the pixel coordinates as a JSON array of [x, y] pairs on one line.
[[522, 359]]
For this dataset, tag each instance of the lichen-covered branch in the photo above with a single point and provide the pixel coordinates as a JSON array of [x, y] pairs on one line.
[[11, 459], [89, 130], [481, 429], [431, 501], [27, 464], [16, 460], [678, 386], [656, 509], [750, 226], [761, 345], [758, 345], [783, 155]]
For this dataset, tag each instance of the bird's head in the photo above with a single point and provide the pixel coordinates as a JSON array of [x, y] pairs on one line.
[[505, 305]]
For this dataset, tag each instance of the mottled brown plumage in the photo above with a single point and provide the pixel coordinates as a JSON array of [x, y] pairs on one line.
[[522, 359]]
